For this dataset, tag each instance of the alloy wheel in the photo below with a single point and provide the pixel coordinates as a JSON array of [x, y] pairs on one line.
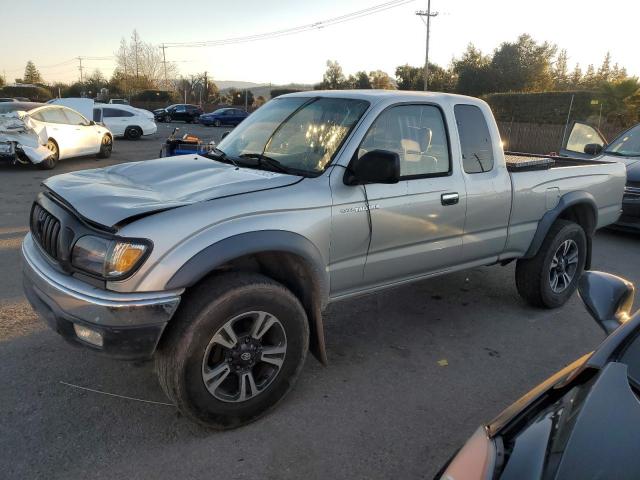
[[564, 266], [244, 356]]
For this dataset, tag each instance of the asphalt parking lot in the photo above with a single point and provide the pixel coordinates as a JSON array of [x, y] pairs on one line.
[[387, 406]]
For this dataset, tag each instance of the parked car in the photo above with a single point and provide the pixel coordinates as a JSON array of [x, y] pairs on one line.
[[223, 116], [580, 423], [124, 120], [315, 198], [585, 141], [119, 101], [27, 128], [182, 111]]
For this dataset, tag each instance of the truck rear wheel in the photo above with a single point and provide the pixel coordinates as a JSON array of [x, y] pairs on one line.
[[234, 349], [550, 278]]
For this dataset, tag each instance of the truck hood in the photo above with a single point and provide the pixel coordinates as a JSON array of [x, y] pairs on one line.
[[109, 196]]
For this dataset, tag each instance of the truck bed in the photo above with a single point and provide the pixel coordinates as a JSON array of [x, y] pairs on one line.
[[525, 162]]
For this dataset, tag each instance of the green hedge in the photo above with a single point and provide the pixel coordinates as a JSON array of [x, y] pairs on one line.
[[34, 93], [545, 107]]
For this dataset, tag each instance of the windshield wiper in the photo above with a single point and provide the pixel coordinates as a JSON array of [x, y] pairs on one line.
[[264, 160], [223, 156]]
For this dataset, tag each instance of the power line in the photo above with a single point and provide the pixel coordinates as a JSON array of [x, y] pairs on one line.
[[428, 14], [294, 30]]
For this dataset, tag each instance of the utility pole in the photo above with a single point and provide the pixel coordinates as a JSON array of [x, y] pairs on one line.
[[245, 100], [80, 68], [206, 88], [164, 62], [428, 14]]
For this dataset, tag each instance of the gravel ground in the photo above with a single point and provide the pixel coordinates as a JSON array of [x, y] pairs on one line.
[[385, 407]]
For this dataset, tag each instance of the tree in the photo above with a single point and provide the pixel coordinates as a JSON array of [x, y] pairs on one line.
[[237, 97], [140, 65], [523, 66], [359, 81], [621, 99], [412, 78], [381, 80], [31, 74], [259, 101], [589, 79], [560, 72], [440, 79], [333, 78], [409, 78], [575, 79], [604, 72], [618, 74], [95, 82], [473, 72], [2, 81]]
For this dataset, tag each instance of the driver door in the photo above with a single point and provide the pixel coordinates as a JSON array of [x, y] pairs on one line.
[[84, 137], [584, 141]]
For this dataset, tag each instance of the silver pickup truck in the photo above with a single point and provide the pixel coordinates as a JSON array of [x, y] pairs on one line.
[[220, 267]]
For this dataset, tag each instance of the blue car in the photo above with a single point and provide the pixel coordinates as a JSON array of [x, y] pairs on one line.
[[223, 116]]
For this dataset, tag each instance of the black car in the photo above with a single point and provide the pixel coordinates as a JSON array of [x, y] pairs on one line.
[[584, 421], [180, 111], [585, 141]]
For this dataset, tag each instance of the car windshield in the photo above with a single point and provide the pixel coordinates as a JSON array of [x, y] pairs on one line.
[[301, 134], [627, 144]]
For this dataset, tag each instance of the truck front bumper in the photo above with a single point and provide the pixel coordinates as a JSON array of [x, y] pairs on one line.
[[122, 325]]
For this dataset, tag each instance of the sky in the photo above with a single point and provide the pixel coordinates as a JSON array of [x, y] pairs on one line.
[[53, 37]]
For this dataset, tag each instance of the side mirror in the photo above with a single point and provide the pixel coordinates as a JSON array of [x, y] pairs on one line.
[[376, 166], [608, 298], [593, 149], [224, 135]]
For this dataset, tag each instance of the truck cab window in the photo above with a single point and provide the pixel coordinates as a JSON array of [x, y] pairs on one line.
[[475, 139], [417, 134]]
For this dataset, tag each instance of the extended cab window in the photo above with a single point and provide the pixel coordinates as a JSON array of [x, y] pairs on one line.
[[475, 139], [417, 134]]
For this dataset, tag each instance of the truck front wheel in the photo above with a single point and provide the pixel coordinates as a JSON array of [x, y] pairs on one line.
[[234, 349], [551, 276]]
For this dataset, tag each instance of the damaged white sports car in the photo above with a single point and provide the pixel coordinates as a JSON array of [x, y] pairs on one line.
[[43, 134]]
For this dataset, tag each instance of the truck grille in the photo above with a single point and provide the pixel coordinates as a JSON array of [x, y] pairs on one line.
[[45, 229]]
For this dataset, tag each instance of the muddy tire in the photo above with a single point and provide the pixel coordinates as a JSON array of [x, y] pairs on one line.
[[51, 162], [550, 278], [106, 147], [233, 350]]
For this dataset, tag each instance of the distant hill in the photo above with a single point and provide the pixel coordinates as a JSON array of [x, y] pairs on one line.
[[258, 89]]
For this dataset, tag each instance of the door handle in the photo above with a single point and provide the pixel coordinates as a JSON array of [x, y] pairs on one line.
[[449, 198]]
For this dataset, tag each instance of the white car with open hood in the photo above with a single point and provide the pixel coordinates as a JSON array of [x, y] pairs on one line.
[[42, 134]]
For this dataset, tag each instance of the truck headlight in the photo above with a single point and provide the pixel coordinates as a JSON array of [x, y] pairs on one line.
[[108, 258]]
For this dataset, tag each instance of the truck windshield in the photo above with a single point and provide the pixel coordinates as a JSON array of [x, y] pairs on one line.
[[302, 134]]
